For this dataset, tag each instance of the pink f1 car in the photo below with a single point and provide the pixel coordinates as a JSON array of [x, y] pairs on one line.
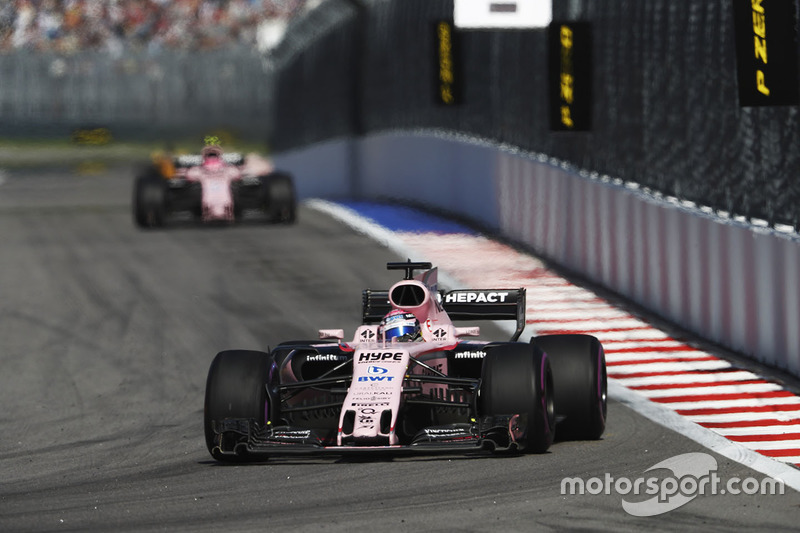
[[213, 186], [216, 178], [408, 381]]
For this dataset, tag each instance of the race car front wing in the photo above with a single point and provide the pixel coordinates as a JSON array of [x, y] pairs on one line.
[[252, 439]]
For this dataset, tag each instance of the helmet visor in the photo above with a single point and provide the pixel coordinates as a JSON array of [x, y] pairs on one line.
[[399, 330]]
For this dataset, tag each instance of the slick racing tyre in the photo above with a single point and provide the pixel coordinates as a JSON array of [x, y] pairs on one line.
[[579, 377], [149, 201], [280, 198], [516, 379], [235, 389]]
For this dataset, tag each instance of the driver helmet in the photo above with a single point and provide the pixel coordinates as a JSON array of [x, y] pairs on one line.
[[212, 157], [400, 325]]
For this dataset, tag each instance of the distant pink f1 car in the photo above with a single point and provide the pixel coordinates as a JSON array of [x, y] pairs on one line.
[[213, 186], [216, 178], [408, 382]]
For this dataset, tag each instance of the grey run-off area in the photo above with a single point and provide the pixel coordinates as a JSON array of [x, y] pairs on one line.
[[107, 333]]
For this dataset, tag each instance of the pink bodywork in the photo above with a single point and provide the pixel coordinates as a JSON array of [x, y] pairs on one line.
[[216, 179], [380, 369]]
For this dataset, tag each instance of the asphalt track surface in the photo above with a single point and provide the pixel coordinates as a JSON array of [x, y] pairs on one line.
[[106, 334]]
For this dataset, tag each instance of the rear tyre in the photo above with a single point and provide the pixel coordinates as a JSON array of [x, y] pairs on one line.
[[280, 198], [580, 384], [516, 379], [149, 201], [235, 388], [236, 195]]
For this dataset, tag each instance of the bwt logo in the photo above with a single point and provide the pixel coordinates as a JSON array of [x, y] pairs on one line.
[[381, 356], [376, 378], [377, 370]]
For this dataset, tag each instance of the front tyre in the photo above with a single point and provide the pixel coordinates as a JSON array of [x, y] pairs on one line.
[[579, 376], [235, 389], [516, 379], [281, 200], [149, 201]]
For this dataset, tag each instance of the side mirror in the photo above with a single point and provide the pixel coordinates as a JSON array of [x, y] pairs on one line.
[[331, 334]]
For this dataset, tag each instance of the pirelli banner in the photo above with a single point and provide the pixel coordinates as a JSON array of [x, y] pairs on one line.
[[446, 64], [766, 52], [570, 76]]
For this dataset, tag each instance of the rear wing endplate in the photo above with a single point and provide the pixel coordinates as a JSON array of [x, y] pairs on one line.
[[459, 304]]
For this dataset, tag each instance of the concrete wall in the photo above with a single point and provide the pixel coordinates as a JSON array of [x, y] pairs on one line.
[[728, 281]]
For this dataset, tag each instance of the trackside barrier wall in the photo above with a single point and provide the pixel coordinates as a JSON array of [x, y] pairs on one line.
[[656, 96], [727, 281]]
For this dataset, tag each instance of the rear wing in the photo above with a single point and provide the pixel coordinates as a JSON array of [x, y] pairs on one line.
[[459, 304], [195, 160]]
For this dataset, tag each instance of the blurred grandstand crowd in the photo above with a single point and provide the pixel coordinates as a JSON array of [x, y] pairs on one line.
[[68, 26]]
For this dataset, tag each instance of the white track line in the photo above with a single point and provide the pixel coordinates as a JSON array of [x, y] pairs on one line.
[[794, 459], [741, 403], [640, 335], [705, 377], [579, 314], [784, 416], [615, 347], [758, 430], [615, 357], [559, 306], [719, 389], [772, 444], [668, 367]]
